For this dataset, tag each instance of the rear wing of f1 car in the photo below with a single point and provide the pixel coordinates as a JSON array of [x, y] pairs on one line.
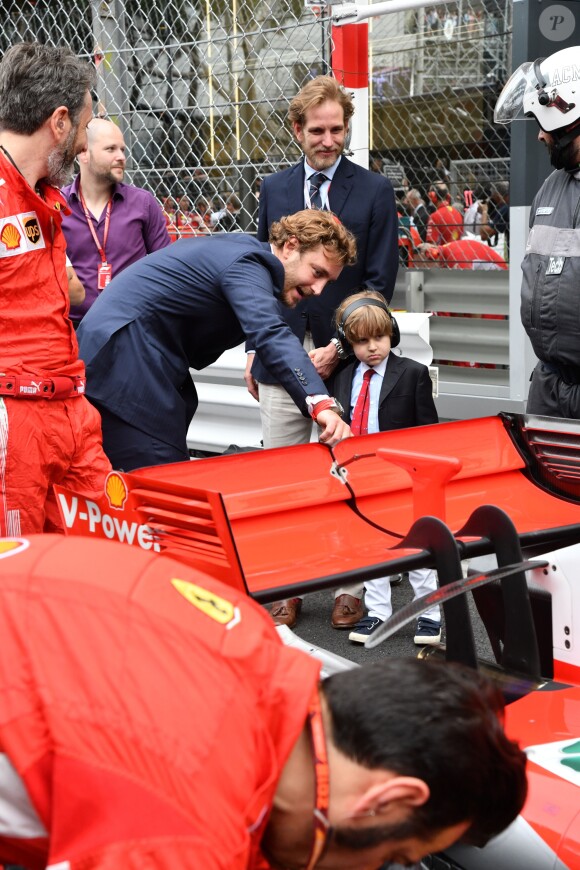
[[287, 521]]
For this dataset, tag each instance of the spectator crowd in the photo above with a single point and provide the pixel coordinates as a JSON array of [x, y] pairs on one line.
[[468, 231]]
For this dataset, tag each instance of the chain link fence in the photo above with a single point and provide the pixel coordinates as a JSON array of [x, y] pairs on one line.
[[201, 89]]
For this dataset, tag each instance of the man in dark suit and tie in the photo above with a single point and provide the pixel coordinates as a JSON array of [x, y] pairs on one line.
[[365, 203], [418, 211], [182, 307]]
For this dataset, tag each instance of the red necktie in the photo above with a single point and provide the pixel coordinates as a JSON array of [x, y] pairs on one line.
[[360, 416]]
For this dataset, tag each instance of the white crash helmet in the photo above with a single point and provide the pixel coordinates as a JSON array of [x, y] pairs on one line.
[[547, 89]]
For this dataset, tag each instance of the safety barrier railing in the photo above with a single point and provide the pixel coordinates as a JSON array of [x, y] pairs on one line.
[[470, 338]]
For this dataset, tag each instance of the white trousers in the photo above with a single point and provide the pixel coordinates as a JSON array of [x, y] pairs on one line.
[[283, 425], [378, 594]]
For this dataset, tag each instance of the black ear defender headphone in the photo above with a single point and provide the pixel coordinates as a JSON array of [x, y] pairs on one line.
[[360, 303]]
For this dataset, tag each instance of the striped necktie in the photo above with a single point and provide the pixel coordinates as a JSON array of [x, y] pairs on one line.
[[316, 181]]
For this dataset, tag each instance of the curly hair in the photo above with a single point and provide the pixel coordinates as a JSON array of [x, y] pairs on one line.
[[311, 228], [316, 92]]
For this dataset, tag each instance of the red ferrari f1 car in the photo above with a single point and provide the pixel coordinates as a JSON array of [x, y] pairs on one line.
[[293, 520]]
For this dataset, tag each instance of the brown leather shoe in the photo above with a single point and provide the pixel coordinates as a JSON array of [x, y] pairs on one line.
[[347, 611], [286, 612]]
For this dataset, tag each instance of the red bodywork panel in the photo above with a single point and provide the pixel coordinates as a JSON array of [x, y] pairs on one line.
[[547, 724], [282, 520]]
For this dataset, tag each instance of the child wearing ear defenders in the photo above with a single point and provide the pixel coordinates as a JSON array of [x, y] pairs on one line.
[[398, 394]]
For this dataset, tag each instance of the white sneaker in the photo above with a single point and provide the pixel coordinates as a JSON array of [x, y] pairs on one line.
[[428, 632]]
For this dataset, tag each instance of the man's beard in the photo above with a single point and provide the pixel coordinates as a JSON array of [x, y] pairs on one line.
[[61, 161], [563, 158], [286, 300], [368, 837], [321, 163], [107, 176]]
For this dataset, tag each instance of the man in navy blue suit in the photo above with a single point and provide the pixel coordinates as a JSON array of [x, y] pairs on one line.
[[182, 307], [365, 203]]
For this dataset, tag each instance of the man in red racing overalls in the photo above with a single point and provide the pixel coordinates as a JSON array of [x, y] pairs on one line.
[[49, 432], [464, 254], [445, 224], [150, 717]]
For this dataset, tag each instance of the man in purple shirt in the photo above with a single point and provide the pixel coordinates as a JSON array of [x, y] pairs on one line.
[[111, 224]]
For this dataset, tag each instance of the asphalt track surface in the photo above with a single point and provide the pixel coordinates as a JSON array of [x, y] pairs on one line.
[[314, 626]]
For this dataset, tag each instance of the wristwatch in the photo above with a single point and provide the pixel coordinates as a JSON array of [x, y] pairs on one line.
[[342, 354], [329, 404]]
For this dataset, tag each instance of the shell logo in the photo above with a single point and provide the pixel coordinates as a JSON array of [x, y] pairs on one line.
[[12, 546], [116, 490], [10, 237]]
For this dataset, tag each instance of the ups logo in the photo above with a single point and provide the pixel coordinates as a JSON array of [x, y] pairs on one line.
[[32, 230]]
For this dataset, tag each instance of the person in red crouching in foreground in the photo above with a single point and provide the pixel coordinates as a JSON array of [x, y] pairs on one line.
[[151, 716]]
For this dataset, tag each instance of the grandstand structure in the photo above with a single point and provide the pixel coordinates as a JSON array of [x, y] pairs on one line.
[[200, 84]]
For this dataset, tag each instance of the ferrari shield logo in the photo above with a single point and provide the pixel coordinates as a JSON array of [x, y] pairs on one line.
[[216, 608]]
